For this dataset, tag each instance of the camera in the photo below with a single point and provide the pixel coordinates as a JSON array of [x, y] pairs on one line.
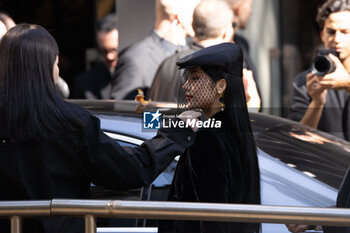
[[321, 64]]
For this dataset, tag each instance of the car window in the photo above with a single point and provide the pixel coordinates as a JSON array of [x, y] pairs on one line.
[[316, 154]]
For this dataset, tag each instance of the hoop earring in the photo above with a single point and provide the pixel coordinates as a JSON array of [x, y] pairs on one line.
[[222, 105]]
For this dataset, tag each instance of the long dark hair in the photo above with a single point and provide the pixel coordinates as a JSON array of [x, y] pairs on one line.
[[238, 118], [30, 107]]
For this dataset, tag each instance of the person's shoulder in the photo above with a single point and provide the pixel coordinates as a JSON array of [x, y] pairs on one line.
[[81, 113], [132, 57], [128, 61], [137, 47], [188, 51], [181, 52], [177, 55]]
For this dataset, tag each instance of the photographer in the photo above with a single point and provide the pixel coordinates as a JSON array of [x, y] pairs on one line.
[[322, 102]]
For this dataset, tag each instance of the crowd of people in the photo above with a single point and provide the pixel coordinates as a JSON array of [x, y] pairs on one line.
[[174, 34], [193, 56]]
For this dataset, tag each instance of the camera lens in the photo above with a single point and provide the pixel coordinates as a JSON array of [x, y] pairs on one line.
[[322, 65]]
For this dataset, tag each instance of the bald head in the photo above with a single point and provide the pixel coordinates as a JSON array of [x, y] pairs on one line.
[[211, 18]]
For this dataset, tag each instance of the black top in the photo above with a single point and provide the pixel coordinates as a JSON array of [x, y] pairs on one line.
[[209, 171], [335, 114], [93, 84], [64, 164]]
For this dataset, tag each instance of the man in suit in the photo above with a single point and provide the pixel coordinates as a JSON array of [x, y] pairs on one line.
[[212, 24], [95, 83], [139, 62]]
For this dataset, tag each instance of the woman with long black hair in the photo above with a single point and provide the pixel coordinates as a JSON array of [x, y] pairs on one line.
[[222, 165], [52, 149]]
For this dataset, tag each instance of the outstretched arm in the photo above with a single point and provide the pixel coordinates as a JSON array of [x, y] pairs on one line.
[[111, 165]]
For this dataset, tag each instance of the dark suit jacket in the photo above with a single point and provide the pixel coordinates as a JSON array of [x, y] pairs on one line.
[[137, 65], [165, 85], [93, 84]]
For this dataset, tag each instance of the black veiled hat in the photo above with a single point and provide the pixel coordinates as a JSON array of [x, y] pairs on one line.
[[226, 57]]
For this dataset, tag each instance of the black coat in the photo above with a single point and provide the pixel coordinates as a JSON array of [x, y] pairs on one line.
[[63, 166], [209, 171]]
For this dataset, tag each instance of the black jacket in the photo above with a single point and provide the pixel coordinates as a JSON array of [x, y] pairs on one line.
[[63, 166]]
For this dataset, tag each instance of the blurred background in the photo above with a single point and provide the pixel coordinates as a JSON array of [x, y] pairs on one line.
[[283, 35]]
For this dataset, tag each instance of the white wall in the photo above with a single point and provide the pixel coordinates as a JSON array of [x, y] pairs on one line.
[[262, 34]]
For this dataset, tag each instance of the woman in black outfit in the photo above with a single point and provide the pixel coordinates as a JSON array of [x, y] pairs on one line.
[[222, 165], [52, 149]]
